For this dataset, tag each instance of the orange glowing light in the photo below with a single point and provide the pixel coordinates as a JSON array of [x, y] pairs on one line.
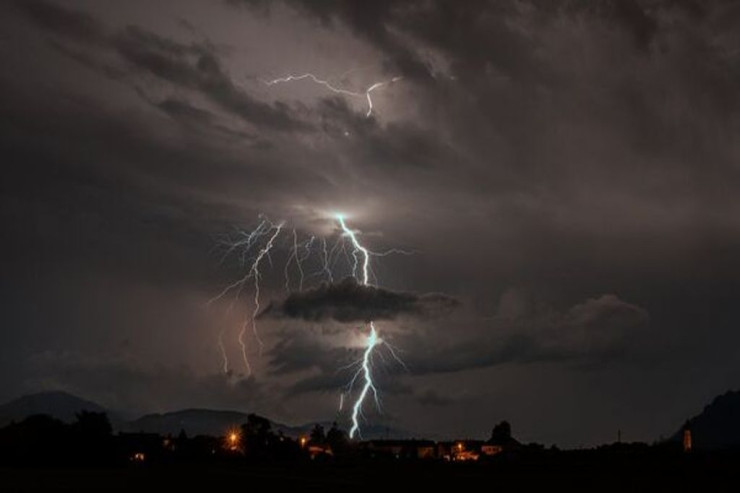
[[303, 441], [232, 440]]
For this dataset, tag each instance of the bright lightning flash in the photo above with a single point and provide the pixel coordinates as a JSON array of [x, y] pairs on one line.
[[372, 339], [255, 246]]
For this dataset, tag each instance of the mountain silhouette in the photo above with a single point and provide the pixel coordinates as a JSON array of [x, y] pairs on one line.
[[718, 425], [65, 407], [192, 421], [215, 423], [57, 404]]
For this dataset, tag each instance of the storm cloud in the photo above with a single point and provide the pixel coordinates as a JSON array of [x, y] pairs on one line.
[[350, 301]]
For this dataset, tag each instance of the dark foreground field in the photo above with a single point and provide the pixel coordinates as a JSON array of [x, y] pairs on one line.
[[691, 474]]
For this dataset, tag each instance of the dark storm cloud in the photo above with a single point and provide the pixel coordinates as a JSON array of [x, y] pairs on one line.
[[599, 331], [193, 65], [432, 398], [73, 24], [466, 32], [162, 388], [198, 67], [350, 301], [370, 20]]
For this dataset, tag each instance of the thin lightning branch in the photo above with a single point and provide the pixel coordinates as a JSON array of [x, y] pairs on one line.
[[255, 273], [222, 348], [393, 350], [338, 90], [299, 260], [293, 255], [246, 243], [326, 268]]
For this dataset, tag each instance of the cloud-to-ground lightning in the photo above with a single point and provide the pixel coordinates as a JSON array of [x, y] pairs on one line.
[[313, 260], [372, 339], [371, 342], [325, 83]]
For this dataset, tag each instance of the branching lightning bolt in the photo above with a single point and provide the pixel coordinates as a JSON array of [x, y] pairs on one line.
[[254, 272], [372, 339], [245, 242], [338, 90], [255, 246]]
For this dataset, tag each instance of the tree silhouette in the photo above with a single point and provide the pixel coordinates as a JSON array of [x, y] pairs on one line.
[[318, 436], [92, 438], [337, 439], [92, 425], [257, 436], [501, 433]]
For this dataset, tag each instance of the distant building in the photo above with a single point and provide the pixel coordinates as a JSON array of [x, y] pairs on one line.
[[401, 449], [139, 447], [319, 451], [425, 450], [459, 450], [687, 440], [501, 440], [490, 449]]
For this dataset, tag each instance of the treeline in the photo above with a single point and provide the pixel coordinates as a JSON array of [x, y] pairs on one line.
[[44, 440], [90, 441]]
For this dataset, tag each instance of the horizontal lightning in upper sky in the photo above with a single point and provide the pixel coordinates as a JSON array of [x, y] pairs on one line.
[[364, 94]]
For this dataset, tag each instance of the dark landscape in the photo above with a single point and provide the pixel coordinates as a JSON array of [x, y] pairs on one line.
[[46, 452]]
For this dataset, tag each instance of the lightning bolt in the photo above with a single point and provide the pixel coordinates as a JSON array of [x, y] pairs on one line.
[[325, 261], [245, 242], [299, 260], [345, 92], [359, 250], [371, 341], [255, 246], [361, 256], [255, 274]]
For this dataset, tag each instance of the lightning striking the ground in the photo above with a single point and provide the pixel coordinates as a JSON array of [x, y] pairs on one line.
[[345, 92], [313, 260], [372, 339], [366, 369]]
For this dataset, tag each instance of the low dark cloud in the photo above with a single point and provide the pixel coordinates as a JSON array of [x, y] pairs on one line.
[[432, 398], [350, 301], [598, 332]]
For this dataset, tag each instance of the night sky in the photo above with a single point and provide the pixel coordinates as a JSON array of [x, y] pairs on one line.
[[565, 175]]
